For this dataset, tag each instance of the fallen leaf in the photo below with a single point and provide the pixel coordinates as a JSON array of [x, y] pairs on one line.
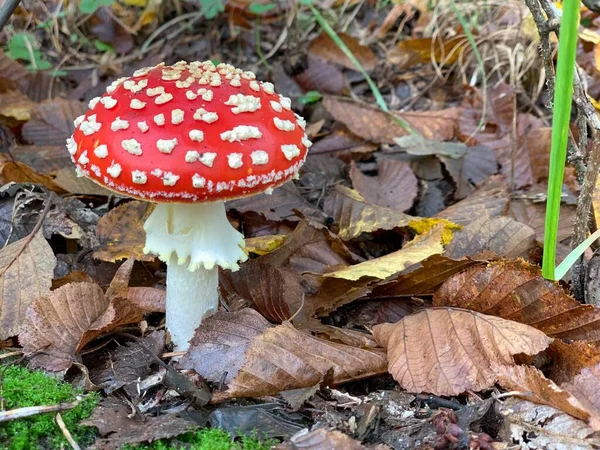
[[324, 47], [539, 389], [15, 105], [263, 245], [45, 159], [261, 359], [420, 248], [342, 144], [410, 52], [515, 290], [491, 200], [447, 351], [68, 180], [540, 427], [585, 387], [17, 172], [354, 215], [378, 126], [321, 76], [322, 439], [394, 187], [570, 358], [502, 236], [26, 272], [117, 428], [60, 324], [52, 122], [148, 299], [121, 233], [532, 212]]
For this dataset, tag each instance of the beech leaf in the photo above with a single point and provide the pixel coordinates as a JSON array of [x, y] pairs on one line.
[[446, 351], [26, 272]]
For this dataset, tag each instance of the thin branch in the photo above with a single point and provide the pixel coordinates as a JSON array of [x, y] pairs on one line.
[[20, 413], [6, 9]]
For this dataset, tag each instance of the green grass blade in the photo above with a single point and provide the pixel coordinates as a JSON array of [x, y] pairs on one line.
[[574, 255], [560, 129]]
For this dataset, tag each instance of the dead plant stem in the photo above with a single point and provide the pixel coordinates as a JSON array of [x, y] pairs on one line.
[[6, 9]]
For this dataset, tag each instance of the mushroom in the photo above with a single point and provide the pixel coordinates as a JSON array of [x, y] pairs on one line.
[[188, 137]]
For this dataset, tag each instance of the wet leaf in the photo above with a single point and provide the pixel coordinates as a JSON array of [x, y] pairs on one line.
[[261, 359], [420, 248], [60, 324], [26, 272], [263, 245], [394, 187], [375, 125], [52, 122], [447, 351], [112, 418], [516, 290], [121, 233], [501, 236], [324, 47], [354, 215], [539, 389]]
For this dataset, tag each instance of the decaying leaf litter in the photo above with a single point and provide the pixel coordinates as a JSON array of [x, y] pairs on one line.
[[392, 297]]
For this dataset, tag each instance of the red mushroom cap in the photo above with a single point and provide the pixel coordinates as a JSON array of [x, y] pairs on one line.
[[189, 132]]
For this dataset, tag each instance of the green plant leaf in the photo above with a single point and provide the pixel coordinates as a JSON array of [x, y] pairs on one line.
[[103, 46], [310, 97], [573, 256], [259, 8], [212, 8], [90, 6]]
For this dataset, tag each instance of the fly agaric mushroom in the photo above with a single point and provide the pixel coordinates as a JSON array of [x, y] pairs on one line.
[[188, 137]]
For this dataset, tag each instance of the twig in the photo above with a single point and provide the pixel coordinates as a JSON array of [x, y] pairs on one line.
[[61, 424], [6, 10], [20, 413]]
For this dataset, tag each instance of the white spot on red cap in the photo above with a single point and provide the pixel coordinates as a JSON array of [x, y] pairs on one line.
[[142, 72], [139, 177], [198, 181], [190, 95], [305, 141], [132, 146], [290, 151], [108, 102], [243, 103], [119, 124], [93, 102], [255, 86], [177, 116], [132, 86], [159, 119], [301, 121], [215, 80], [236, 82], [83, 158], [192, 156], [71, 145], [156, 172], [196, 135], [241, 133], [94, 168], [184, 84], [78, 120], [276, 106], [235, 160], [207, 158], [90, 126], [80, 173], [283, 125], [137, 104], [166, 145], [163, 98], [114, 85], [268, 87], [143, 126], [208, 117], [247, 75], [114, 170], [259, 157], [169, 179], [207, 94], [101, 151], [285, 102], [153, 92]]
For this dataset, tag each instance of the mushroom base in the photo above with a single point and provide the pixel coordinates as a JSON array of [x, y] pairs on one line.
[[191, 296], [193, 239]]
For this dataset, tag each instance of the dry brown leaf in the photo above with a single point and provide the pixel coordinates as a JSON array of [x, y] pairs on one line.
[[446, 351], [375, 125], [26, 272], [121, 233], [420, 248], [539, 389], [411, 52], [17, 172], [341, 143], [52, 121], [274, 292], [533, 214], [261, 359], [148, 299], [570, 358], [12, 74], [15, 105], [490, 200], [354, 216], [320, 75], [324, 47], [60, 324], [502, 236], [45, 159], [585, 387], [67, 179], [322, 439], [394, 187], [516, 290]]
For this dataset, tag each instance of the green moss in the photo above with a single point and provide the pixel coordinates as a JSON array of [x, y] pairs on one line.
[[20, 388], [206, 439]]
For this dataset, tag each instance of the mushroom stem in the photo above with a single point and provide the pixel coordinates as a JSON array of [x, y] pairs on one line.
[[190, 297], [192, 239]]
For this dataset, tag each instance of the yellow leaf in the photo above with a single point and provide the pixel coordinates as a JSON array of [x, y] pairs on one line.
[[140, 3], [424, 224], [263, 245], [423, 246]]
